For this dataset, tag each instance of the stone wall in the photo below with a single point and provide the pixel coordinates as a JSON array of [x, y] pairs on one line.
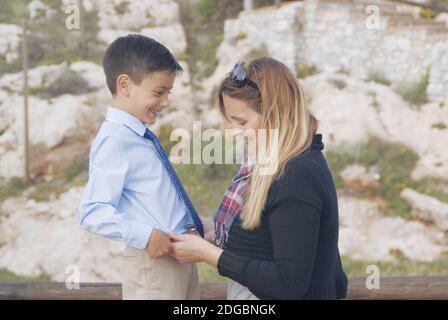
[[336, 36]]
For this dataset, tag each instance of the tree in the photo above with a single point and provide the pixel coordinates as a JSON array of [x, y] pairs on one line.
[[21, 12]]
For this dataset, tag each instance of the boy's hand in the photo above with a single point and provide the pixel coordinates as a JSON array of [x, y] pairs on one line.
[[159, 244]]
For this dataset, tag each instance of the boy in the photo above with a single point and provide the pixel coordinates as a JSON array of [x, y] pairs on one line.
[[132, 194]]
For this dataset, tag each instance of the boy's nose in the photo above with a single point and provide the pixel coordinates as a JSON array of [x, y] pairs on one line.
[[165, 103]]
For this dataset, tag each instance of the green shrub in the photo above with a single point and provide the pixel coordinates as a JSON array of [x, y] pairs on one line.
[[76, 168], [11, 188], [343, 70], [426, 13], [10, 67], [394, 161], [6, 275], [122, 7], [203, 22], [340, 84], [240, 36], [4, 129], [69, 82], [256, 53], [207, 8], [378, 77], [45, 190], [439, 125], [305, 70], [202, 56], [415, 93]]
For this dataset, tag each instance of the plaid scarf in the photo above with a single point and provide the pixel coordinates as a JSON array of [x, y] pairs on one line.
[[231, 204]]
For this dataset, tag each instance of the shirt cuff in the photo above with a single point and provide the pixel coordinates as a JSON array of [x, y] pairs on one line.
[[232, 265], [138, 235]]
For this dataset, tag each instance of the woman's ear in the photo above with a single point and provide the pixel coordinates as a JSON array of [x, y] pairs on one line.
[[124, 85]]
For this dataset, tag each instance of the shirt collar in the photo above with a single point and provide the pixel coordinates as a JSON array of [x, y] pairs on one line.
[[124, 118]]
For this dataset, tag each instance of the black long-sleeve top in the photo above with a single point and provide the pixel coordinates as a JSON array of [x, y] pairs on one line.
[[293, 254]]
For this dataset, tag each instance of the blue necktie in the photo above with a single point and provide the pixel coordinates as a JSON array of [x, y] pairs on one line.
[[175, 179]]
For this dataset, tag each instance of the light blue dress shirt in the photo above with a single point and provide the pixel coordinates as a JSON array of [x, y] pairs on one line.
[[129, 191]]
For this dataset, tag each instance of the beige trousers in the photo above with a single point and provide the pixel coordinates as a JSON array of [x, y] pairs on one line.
[[146, 278]]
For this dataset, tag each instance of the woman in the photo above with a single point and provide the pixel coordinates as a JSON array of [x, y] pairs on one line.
[[276, 235]]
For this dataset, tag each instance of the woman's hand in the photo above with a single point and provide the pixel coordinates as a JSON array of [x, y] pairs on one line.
[[186, 248], [189, 248]]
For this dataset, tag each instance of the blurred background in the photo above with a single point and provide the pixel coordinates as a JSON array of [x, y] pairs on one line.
[[375, 74]]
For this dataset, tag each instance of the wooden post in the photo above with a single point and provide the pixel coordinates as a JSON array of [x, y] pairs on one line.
[[82, 30], [25, 101], [401, 288]]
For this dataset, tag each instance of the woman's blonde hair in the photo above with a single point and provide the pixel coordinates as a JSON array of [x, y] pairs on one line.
[[280, 102]]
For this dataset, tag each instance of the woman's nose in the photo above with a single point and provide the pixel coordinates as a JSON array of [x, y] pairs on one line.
[[236, 131]]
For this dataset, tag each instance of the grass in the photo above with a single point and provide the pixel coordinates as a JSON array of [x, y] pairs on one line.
[[204, 54], [121, 8], [439, 125], [74, 175], [240, 36], [203, 24], [395, 163], [6, 275], [426, 13], [11, 188], [46, 190], [305, 70], [415, 92], [10, 67], [205, 184], [353, 268], [375, 76], [69, 82], [398, 267], [256, 53], [209, 274], [340, 84], [4, 129], [343, 70]]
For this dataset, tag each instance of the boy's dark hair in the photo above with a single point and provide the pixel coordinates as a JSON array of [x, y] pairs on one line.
[[137, 56]]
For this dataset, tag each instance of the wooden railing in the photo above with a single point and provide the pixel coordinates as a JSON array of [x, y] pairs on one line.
[[434, 287]]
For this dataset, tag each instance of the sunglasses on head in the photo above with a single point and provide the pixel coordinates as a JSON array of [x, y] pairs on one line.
[[240, 76]]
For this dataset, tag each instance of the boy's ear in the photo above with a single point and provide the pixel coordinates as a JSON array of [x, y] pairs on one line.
[[123, 85]]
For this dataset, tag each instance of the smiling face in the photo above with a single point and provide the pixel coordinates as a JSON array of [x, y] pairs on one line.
[[146, 99], [150, 97], [242, 116]]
